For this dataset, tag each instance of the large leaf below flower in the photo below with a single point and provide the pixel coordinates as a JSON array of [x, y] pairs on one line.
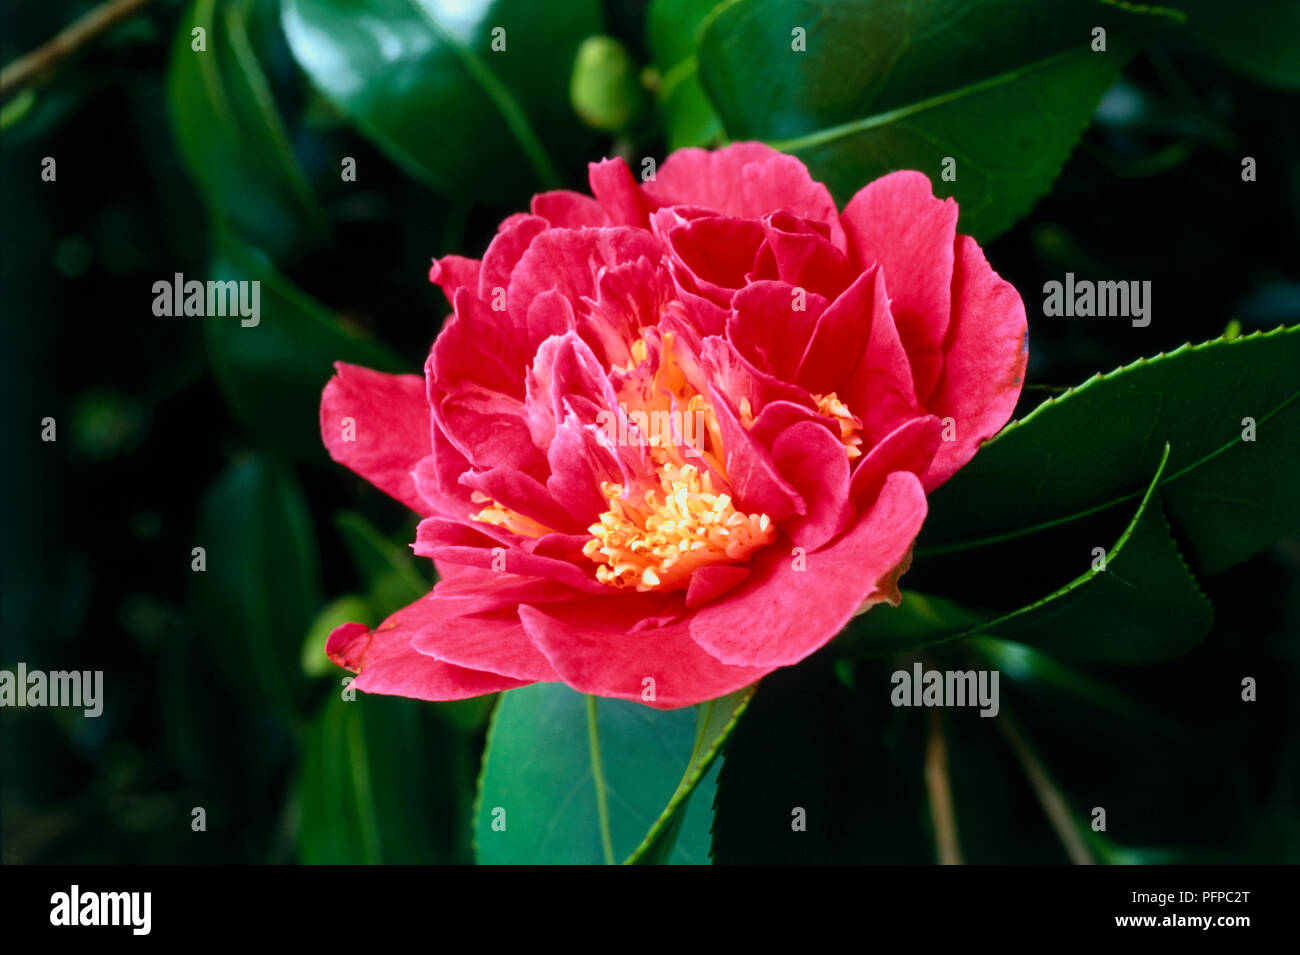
[[464, 107], [569, 778], [1232, 483], [1002, 87]]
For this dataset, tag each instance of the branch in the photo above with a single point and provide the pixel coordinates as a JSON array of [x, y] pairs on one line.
[[22, 71], [1049, 796], [943, 815]]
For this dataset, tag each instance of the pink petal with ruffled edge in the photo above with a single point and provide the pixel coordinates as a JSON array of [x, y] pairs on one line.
[[746, 180], [898, 222], [378, 426], [983, 363]]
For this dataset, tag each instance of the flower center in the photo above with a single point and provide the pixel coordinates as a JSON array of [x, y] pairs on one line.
[[655, 540], [685, 525]]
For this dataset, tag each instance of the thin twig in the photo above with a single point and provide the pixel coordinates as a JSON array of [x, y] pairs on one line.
[[943, 815], [1049, 795], [54, 51]]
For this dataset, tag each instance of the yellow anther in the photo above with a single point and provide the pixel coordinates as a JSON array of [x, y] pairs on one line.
[[830, 406]]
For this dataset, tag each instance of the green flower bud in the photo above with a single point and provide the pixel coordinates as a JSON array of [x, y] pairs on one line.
[[605, 89]]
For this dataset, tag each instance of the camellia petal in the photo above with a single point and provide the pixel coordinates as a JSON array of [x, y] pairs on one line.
[[386, 662], [984, 359], [378, 426], [897, 222], [595, 648]]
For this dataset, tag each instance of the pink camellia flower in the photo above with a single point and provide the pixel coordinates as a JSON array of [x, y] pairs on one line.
[[675, 436]]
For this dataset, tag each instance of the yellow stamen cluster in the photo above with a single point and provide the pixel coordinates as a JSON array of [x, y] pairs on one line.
[[830, 406], [657, 542], [686, 525]]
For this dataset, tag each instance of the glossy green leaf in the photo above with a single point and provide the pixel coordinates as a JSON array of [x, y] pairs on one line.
[[260, 589], [673, 29], [1260, 38], [716, 720], [1145, 607], [380, 783], [272, 373], [1138, 606], [1003, 87], [1095, 447], [422, 79], [232, 137], [569, 778]]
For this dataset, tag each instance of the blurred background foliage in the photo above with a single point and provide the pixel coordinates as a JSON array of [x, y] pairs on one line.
[[175, 433]]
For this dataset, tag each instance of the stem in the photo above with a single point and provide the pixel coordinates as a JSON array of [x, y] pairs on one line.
[[598, 777], [71, 39], [943, 815], [1049, 795]]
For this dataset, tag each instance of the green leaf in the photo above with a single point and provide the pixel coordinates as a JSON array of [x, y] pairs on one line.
[[1260, 38], [1003, 87], [261, 588], [1094, 447], [844, 765], [272, 373], [1139, 606], [421, 79], [673, 28], [380, 783], [569, 778], [391, 575], [715, 722], [1145, 607], [231, 136]]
